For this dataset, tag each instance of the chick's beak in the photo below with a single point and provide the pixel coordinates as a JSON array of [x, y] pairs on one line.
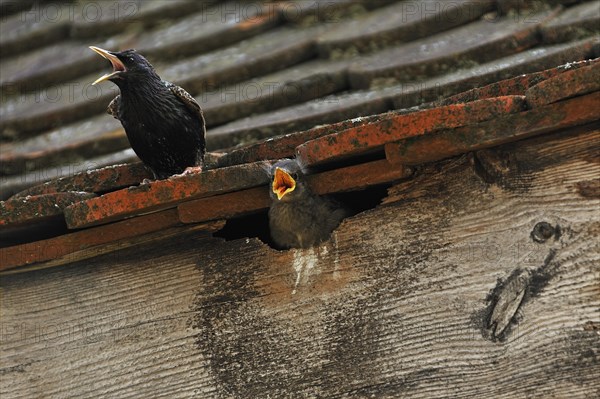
[[283, 183], [118, 66]]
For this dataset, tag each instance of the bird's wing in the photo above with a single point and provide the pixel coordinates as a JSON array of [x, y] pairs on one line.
[[188, 100], [113, 107]]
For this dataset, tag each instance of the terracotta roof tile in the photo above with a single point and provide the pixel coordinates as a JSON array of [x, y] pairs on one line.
[[350, 178], [101, 174], [410, 94], [27, 210], [544, 119], [164, 194], [571, 83], [514, 86], [225, 205], [11, 184], [328, 109], [98, 181], [284, 146], [372, 136]]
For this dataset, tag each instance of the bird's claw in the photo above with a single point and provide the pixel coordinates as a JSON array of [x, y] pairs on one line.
[[191, 170]]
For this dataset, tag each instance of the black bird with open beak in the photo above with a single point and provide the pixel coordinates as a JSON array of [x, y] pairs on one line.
[[164, 124], [298, 218]]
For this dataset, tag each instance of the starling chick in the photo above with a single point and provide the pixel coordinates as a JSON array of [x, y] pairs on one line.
[[298, 218], [164, 124]]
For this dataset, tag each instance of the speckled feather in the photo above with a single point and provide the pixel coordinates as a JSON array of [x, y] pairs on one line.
[[164, 123]]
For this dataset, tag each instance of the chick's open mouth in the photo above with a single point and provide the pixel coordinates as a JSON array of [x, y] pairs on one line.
[[118, 66], [283, 183]]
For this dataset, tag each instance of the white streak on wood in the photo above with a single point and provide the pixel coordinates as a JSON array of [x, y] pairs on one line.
[[305, 260]]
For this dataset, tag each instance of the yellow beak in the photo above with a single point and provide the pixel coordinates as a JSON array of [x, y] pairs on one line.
[[118, 66], [283, 183]]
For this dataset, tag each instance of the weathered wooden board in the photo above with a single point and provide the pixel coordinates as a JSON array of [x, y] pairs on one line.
[[396, 304]]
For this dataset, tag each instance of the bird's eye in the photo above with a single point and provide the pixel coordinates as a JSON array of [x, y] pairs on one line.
[[295, 176]]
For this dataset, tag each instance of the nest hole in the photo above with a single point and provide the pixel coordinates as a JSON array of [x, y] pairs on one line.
[[256, 225]]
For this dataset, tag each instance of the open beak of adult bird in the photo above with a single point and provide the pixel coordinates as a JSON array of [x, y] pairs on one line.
[[283, 183], [118, 66]]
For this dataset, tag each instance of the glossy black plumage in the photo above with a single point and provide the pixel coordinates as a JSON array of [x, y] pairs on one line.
[[164, 124], [300, 218]]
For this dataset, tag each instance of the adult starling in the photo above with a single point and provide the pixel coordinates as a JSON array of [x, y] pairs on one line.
[[164, 124], [298, 218]]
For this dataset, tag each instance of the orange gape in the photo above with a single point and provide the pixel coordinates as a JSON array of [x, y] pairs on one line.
[[283, 183]]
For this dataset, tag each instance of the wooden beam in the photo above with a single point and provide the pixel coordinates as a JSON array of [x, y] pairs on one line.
[[420, 298]]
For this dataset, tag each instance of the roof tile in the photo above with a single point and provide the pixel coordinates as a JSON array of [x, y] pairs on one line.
[[87, 240], [479, 41], [11, 185], [224, 206], [34, 28], [101, 180], [110, 17], [574, 23], [373, 136], [308, 12], [70, 143], [544, 119], [26, 210], [399, 22], [285, 146], [34, 71], [27, 114], [410, 94], [208, 29], [271, 51], [571, 83], [303, 82], [513, 86], [9, 7], [204, 31], [164, 194], [349, 178], [328, 109]]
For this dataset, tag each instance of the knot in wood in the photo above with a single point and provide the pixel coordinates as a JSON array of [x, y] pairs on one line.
[[542, 232]]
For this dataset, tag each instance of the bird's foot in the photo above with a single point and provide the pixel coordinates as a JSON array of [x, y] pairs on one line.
[[146, 181], [191, 170]]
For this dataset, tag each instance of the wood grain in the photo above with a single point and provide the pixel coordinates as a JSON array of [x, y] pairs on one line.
[[396, 304]]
